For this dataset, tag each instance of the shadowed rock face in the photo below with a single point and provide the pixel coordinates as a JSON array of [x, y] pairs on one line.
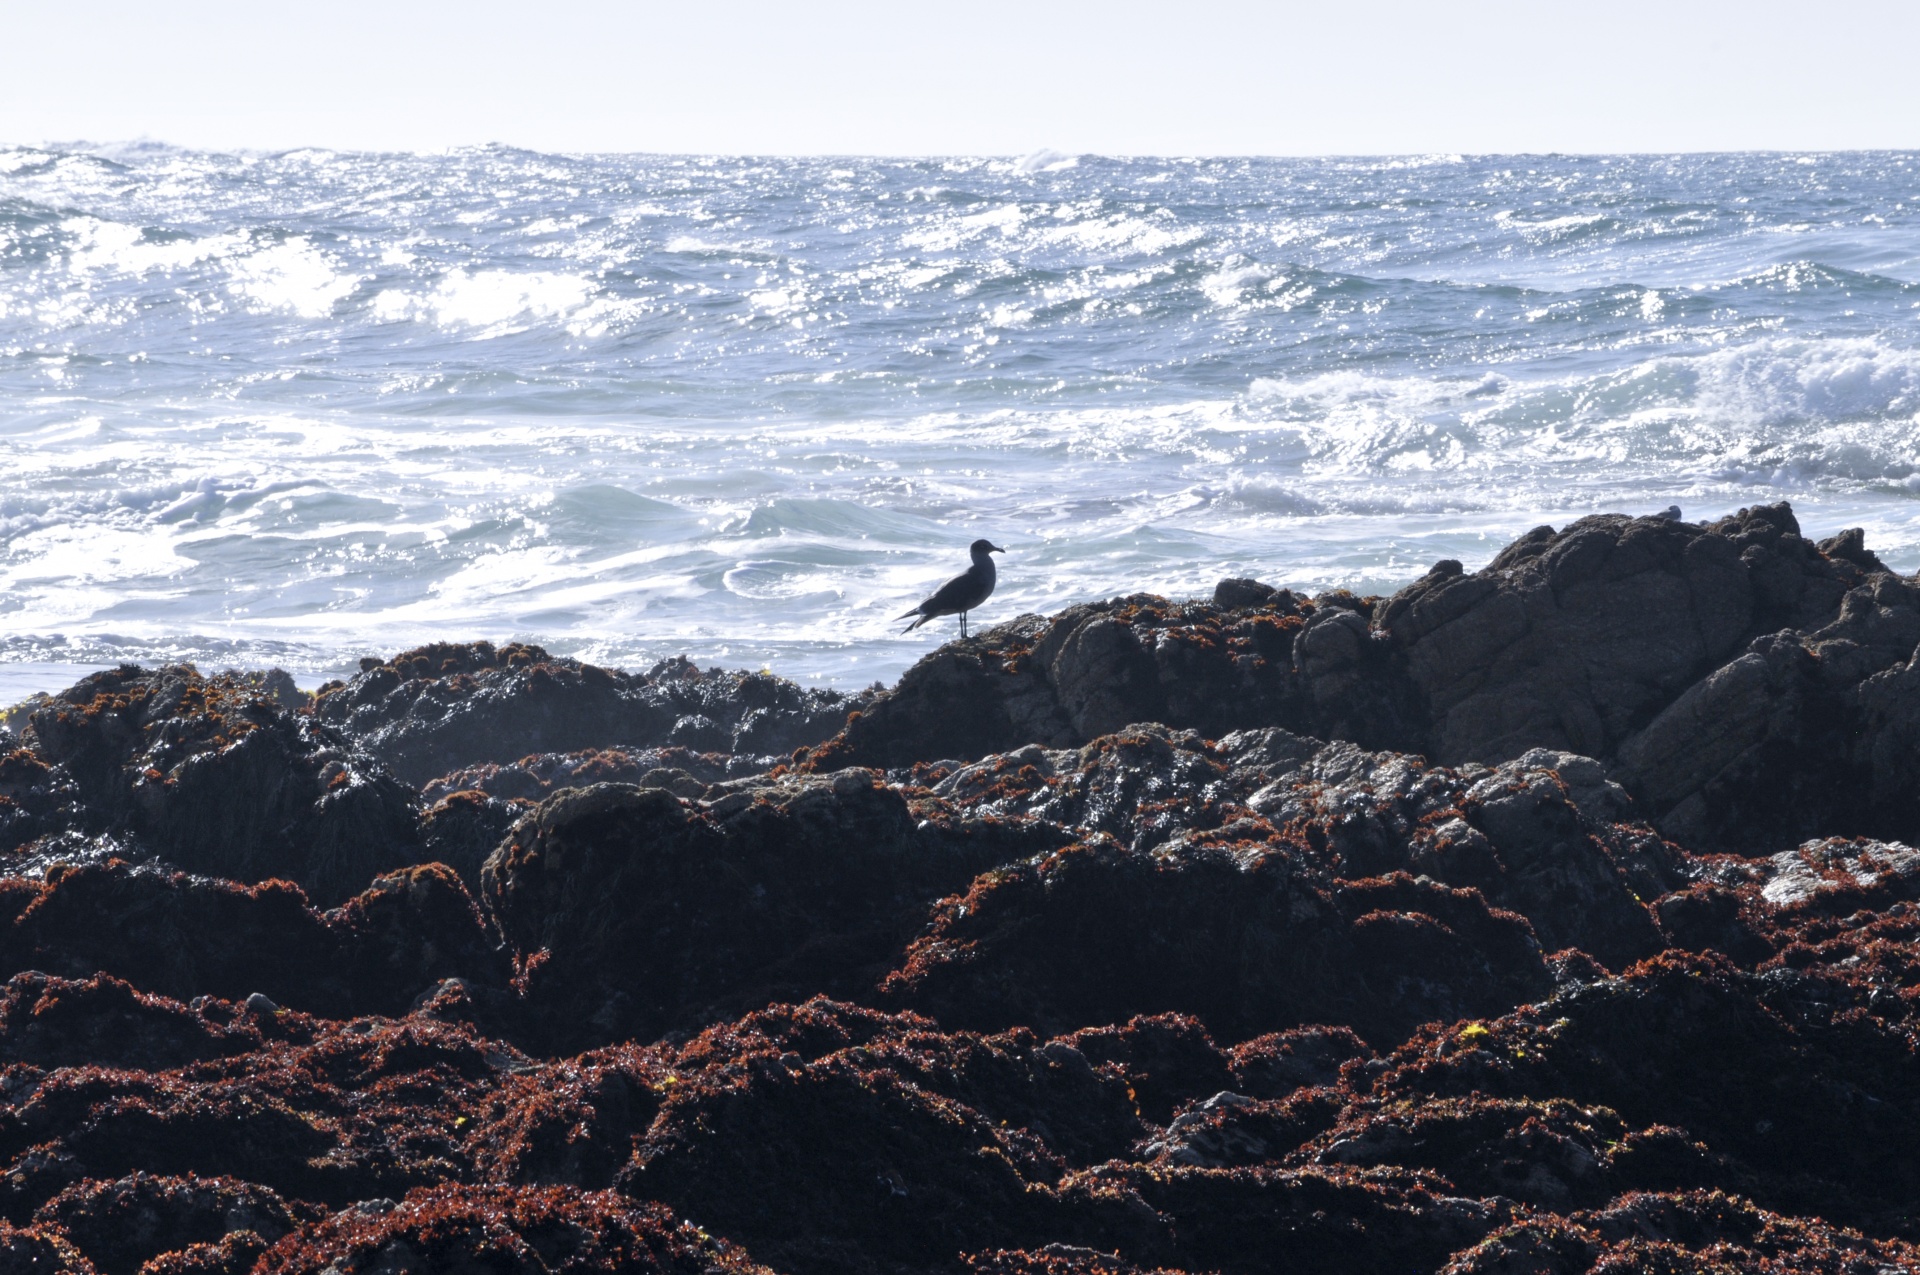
[[1246, 936], [214, 775], [631, 911], [438, 708]]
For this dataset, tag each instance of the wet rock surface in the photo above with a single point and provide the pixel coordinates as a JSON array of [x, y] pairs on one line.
[[1557, 917], [214, 775], [438, 708]]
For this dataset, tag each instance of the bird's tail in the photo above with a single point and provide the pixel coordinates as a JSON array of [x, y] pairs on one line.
[[917, 622]]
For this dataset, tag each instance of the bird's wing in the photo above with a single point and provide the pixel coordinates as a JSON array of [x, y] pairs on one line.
[[952, 595]]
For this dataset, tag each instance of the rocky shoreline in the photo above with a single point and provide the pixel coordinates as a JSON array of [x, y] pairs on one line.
[[1555, 917]]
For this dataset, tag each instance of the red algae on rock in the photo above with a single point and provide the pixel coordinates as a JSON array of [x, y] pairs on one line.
[[504, 1229], [1163, 945]]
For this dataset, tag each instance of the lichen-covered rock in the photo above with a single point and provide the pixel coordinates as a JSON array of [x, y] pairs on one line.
[[437, 708], [217, 777]]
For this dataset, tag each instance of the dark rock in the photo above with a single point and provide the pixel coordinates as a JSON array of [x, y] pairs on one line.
[[1230, 1129], [1089, 671], [462, 828], [1274, 1065], [437, 708], [413, 930], [183, 937], [1555, 643], [324, 1113], [1706, 917], [462, 1228], [56, 1022], [219, 778], [40, 1250], [1271, 1220], [233, 1254], [121, 1224], [179, 936], [900, 1177], [1548, 836], [631, 911], [1245, 935], [1056, 1259], [1812, 1107], [1242, 592]]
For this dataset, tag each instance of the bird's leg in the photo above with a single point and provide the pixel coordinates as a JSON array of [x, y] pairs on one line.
[[963, 626]]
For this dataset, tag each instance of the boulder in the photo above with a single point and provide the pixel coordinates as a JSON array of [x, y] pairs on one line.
[[1061, 681], [1811, 1107], [468, 1228], [437, 708], [216, 776], [183, 937], [1244, 934], [632, 912], [119, 1225]]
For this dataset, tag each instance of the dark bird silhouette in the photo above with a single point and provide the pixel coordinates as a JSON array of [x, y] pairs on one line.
[[962, 593]]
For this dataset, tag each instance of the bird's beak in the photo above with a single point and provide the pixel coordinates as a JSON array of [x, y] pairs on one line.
[[995, 549]]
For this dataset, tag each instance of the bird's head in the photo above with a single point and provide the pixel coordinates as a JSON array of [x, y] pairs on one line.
[[981, 548]]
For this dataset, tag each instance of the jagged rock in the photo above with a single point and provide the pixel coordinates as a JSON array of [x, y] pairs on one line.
[[1089, 671], [1548, 835], [1748, 687], [632, 911], [120, 1225], [463, 1228], [57, 1022], [438, 708], [183, 937], [40, 1250], [218, 777], [1244, 934], [1811, 1106]]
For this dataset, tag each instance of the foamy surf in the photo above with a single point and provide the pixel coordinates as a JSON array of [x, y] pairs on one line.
[[298, 409]]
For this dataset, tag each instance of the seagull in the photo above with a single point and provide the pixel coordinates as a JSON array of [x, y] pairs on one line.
[[962, 593]]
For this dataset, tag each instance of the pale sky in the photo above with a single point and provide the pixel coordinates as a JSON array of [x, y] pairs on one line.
[[846, 77]]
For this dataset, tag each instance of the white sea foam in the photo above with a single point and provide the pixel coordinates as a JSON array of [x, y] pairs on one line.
[[299, 408], [498, 301]]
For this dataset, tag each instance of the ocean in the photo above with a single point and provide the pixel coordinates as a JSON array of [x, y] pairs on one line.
[[299, 408]]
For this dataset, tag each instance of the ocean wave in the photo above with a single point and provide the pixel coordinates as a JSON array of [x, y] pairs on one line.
[[496, 301], [752, 409]]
